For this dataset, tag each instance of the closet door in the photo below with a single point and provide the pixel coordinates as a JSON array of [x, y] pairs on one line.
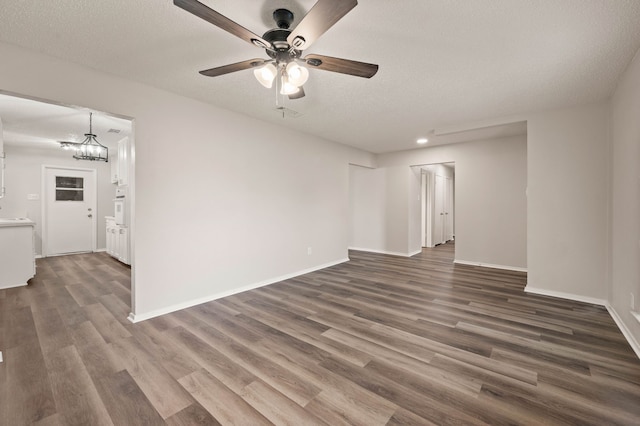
[[439, 211], [448, 210]]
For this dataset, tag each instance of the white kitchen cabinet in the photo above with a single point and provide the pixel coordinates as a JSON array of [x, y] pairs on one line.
[[123, 162], [117, 240], [114, 168], [17, 252], [123, 244]]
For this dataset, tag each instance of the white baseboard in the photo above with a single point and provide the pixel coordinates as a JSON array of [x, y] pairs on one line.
[[100, 250], [184, 305], [391, 253], [568, 296], [490, 265], [13, 286], [625, 331]]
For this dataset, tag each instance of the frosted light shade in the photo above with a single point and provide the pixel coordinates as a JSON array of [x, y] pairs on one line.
[[297, 75], [265, 75], [288, 88]]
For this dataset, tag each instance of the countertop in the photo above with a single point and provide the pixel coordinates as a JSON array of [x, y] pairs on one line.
[[17, 221]]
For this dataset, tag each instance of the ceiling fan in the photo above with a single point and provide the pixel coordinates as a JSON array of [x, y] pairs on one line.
[[284, 46]]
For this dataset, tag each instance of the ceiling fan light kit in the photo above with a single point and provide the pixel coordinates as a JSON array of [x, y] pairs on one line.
[[284, 46]]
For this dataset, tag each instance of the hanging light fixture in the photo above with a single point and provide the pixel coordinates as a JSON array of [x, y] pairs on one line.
[[90, 149]]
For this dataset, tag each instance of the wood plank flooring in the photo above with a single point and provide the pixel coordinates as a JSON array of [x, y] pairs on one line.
[[380, 340]]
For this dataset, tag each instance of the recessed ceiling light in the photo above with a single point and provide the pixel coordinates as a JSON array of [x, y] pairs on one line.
[[422, 141]]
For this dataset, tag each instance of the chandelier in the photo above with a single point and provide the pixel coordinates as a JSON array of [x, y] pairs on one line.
[[90, 149]]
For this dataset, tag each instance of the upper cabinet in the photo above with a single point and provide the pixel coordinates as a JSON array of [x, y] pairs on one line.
[[120, 164], [114, 168]]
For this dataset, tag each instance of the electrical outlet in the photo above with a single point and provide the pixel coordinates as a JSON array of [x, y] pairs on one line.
[[309, 251]]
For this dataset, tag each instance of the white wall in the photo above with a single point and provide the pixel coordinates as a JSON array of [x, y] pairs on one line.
[[490, 200], [24, 176], [379, 207], [222, 202], [366, 208], [414, 210], [567, 202], [625, 199]]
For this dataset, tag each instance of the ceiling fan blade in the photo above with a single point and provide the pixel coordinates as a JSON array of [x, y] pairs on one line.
[[322, 16], [221, 21], [239, 66], [344, 66], [299, 94]]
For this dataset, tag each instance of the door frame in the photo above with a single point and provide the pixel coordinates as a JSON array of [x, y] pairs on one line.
[[428, 184], [43, 204]]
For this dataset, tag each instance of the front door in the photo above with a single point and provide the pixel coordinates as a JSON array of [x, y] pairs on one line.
[[69, 214]]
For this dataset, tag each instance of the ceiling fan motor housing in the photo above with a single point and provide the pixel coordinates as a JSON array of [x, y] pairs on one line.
[[278, 39]]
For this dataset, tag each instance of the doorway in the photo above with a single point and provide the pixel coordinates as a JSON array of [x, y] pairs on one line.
[[69, 210], [438, 204], [35, 131]]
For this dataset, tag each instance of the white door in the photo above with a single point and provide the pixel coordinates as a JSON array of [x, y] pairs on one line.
[[439, 211], [70, 211]]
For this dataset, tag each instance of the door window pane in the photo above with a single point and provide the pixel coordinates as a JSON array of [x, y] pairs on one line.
[[69, 188], [69, 182], [69, 195]]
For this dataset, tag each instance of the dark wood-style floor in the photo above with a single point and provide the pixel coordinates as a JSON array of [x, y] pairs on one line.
[[378, 340]]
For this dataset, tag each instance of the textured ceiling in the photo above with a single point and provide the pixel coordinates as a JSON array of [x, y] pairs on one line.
[[442, 63]]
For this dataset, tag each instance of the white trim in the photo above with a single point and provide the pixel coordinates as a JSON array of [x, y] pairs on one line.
[[100, 250], [569, 296], [132, 211], [636, 315], [13, 286], [623, 328], [134, 318], [391, 253], [490, 265]]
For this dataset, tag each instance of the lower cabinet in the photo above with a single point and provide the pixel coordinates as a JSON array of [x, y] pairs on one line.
[[117, 241]]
